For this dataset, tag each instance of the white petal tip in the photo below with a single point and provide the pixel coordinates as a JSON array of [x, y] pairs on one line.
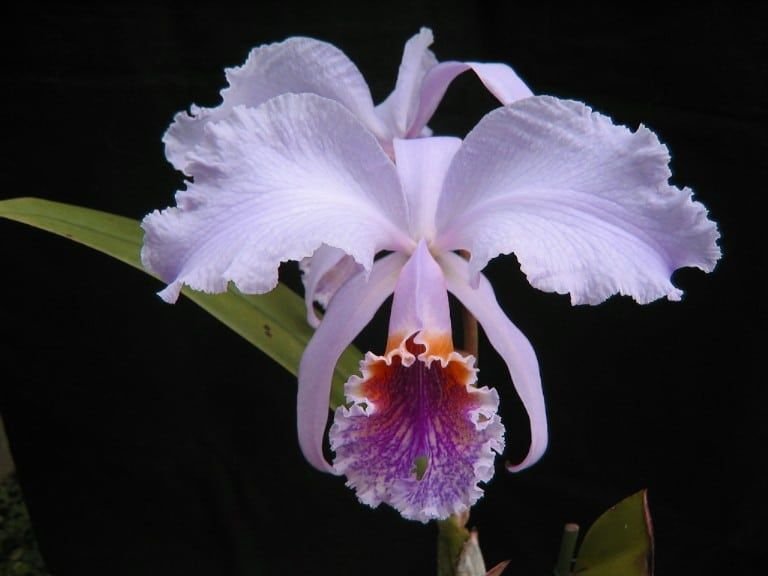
[[171, 292]]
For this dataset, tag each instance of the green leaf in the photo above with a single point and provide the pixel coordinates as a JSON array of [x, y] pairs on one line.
[[274, 322], [619, 542]]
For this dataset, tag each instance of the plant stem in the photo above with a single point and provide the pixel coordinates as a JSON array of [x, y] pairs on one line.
[[567, 548], [451, 537]]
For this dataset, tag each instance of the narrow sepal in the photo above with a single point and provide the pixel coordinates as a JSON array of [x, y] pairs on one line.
[[349, 311], [511, 345]]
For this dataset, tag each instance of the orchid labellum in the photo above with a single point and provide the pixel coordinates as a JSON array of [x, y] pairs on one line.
[[295, 166]]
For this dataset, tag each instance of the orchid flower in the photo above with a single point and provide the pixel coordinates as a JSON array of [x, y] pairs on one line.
[[306, 65], [585, 205]]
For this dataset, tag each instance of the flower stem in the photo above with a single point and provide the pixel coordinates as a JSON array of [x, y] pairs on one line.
[[567, 548], [452, 534]]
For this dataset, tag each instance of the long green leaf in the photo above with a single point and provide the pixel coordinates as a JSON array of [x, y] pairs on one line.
[[619, 542], [274, 322]]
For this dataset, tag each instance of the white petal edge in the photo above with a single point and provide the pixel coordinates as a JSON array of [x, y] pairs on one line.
[[273, 184], [500, 80], [584, 204], [350, 310], [509, 342], [294, 65], [376, 443]]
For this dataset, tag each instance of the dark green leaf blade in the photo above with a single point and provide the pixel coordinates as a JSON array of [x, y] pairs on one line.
[[619, 542], [275, 322]]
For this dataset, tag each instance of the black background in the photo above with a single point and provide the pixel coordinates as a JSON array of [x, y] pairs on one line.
[[149, 439]]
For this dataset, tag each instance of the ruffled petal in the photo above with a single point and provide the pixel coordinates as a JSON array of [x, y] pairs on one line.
[[295, 65], [422, 164], [418, 434], [419, 437], [323, 274], [509, 342], [272, 184], [500, 79], [584, 204], [399, 110], [351, 309]]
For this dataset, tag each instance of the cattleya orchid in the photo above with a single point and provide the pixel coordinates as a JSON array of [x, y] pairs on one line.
[[585, 205]]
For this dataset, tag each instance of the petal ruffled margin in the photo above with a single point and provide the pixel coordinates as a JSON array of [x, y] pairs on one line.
[[296, 65], [511, 345], [584, 204], [273, 184], [418, 435]]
